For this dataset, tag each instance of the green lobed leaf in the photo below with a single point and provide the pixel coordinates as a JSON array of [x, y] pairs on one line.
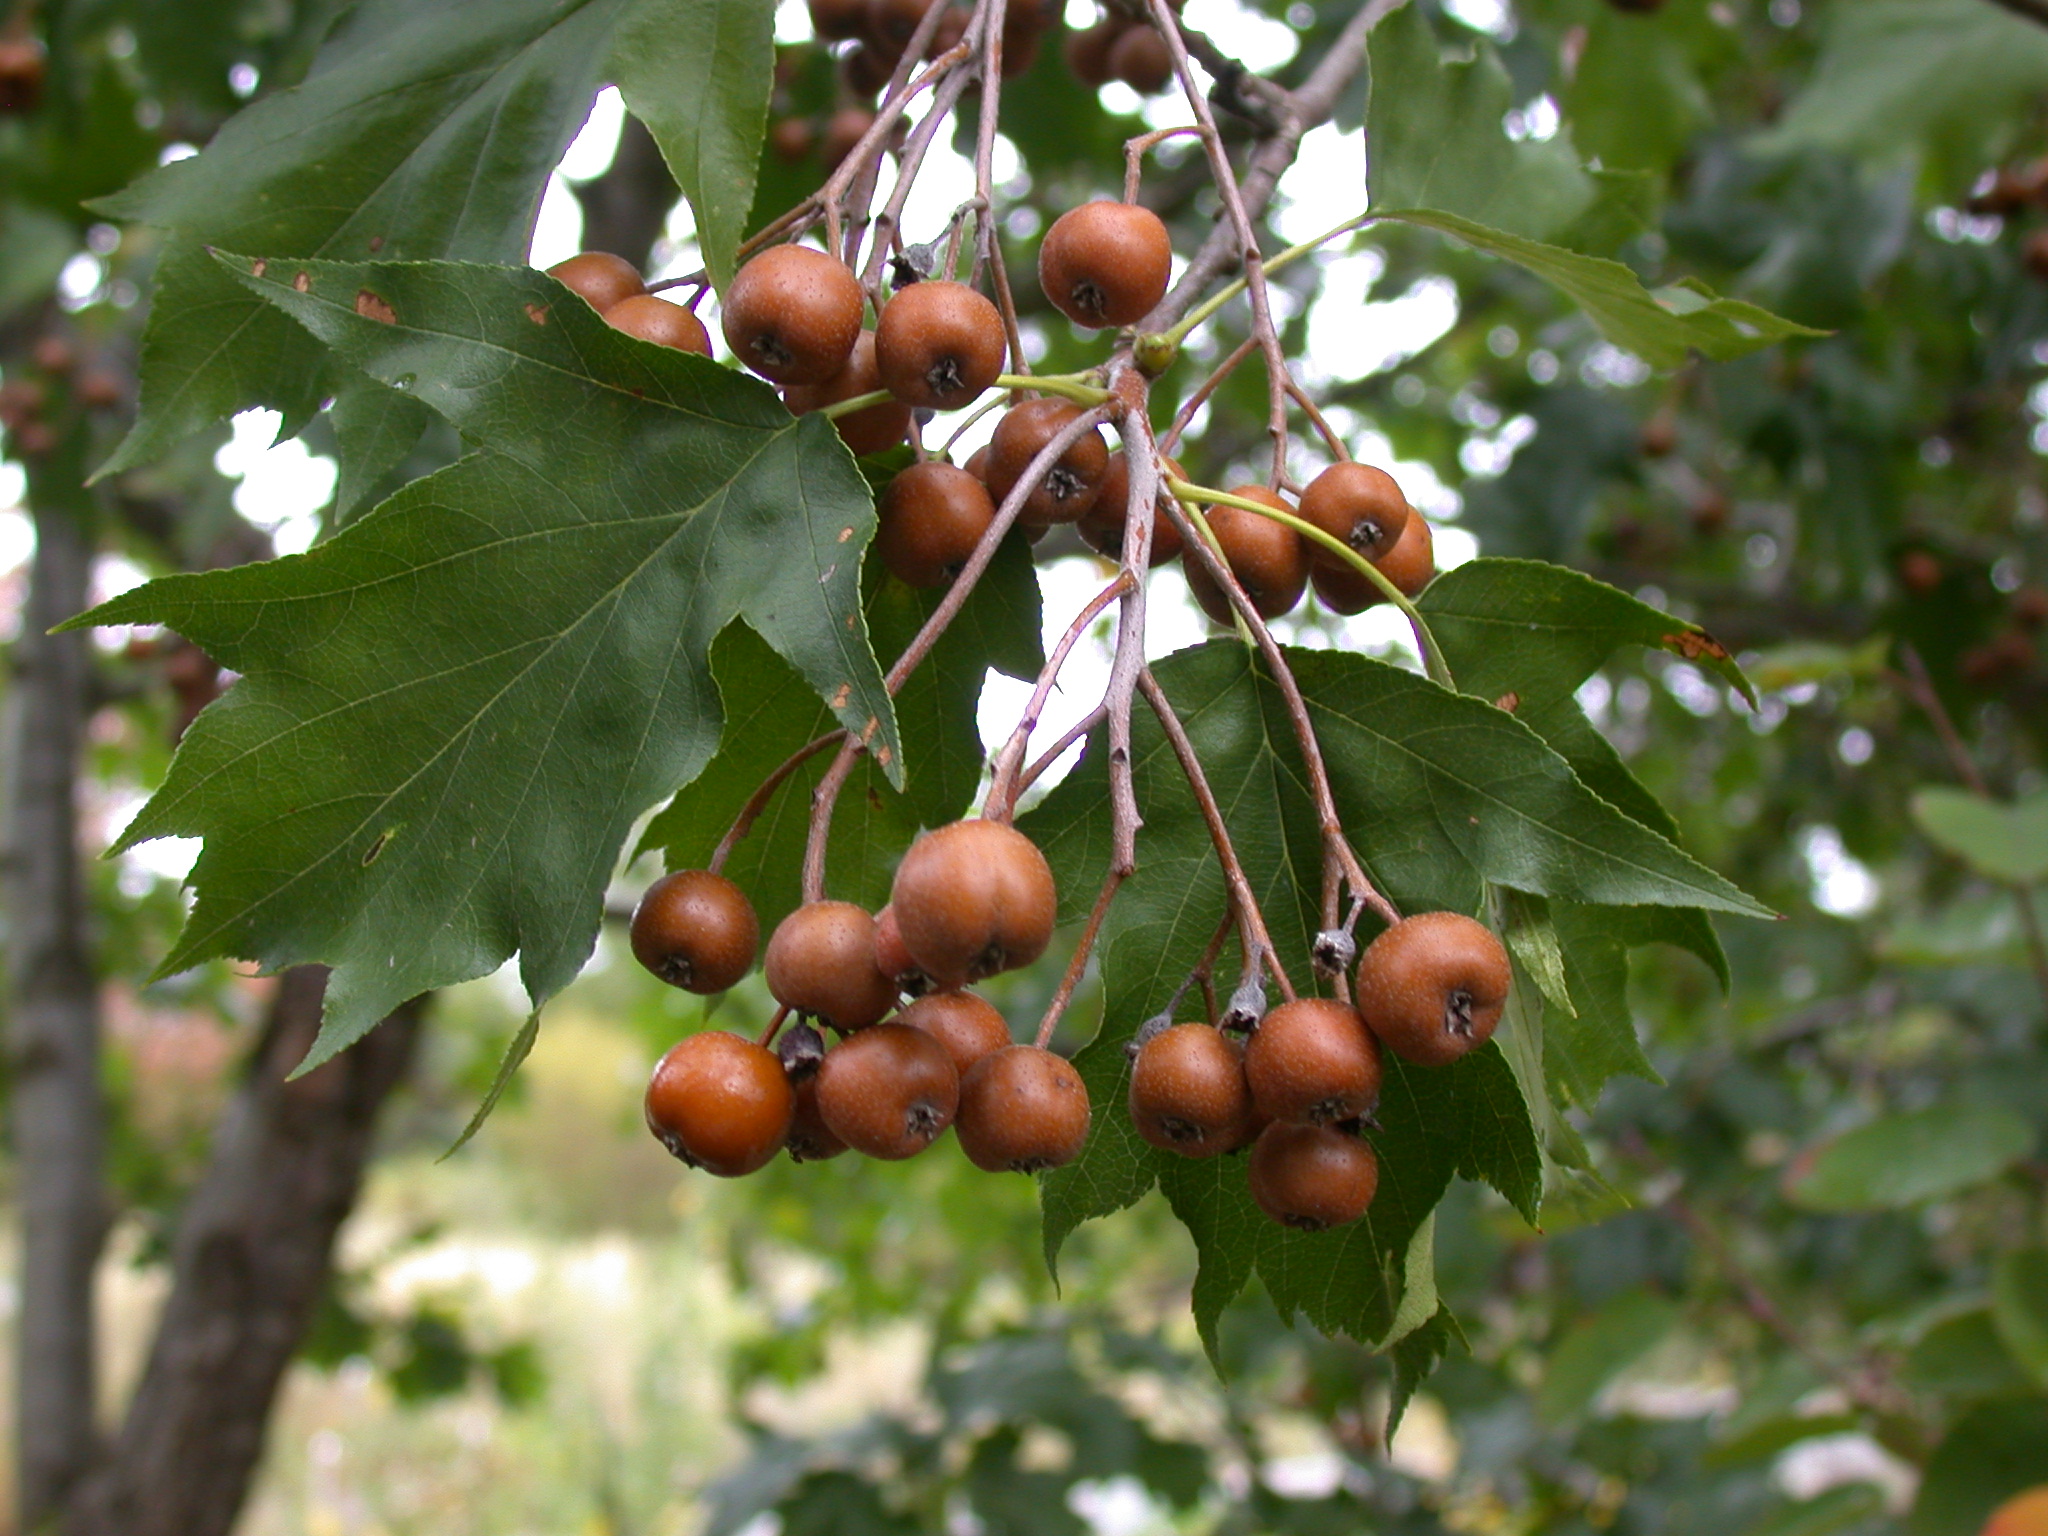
[[2002, 842], [1908, 1159], [2019, 1305], [453, 711], [374, 429], [1415, 1357], [706, 104], [1662, 328], [426, 128], [1437, 140]]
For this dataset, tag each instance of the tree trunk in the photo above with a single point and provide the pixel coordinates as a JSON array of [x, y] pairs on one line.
[[54, 1027], [252, 1256]]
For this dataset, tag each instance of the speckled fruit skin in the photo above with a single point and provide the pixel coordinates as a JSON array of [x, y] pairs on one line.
[[821, 960], [1105, 264], [969, 1027], [1269, 559], [1432, 987], [599, 278], [810, 1140], [1311, 1178], [1087, 51], [792, 314], [1410, 565], [891, 958], [696, 930], [889, 1091], [1141, 59], [1022, 1110], [1070, 487], [1102, 526], [1188, 1093], [2024, 1514], [939, 344], [720, 1102], [1359, 506], [1313, 1062], [972, 899], [872, 428], [655, 319], [932, 515]]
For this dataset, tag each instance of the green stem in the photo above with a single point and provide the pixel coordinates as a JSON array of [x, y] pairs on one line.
[[1432, 655], [1071, 385], [1235, 286], [854, 403]]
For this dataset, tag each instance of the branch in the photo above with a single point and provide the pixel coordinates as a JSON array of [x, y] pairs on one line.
[[2033, 10]]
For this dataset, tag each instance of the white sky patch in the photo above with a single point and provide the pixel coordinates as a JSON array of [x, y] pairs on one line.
[[1842, 884], [590, 152], [1260, 42], [1324, 186], [166, 858], [558, 231], [1489, 16], [284, 485]]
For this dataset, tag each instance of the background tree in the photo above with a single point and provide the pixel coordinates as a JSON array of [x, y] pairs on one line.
[[1825, 1222]]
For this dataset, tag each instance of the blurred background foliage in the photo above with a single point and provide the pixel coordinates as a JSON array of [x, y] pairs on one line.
[[1807, 1291]]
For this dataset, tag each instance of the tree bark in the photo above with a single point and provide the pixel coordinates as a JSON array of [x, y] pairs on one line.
[[54, 1027], [252, 1255]]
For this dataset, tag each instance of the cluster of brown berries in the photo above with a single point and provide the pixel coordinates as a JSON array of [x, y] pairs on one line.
[[1303, 1086], [613, 287], [880, 30], [969, 900], [32, 403], [1121, 47]]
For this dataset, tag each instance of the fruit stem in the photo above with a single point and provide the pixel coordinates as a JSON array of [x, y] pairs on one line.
[[1136, 149], [854, 403], [1079, 961], [767, 1035], [992, 403], [757, 802], [1051, 754], [1001, 804], [1257, 942], [1069, 385], [1432, 655]]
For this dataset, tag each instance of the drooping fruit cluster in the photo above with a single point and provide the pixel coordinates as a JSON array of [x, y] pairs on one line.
[[1119, 47], [1301, 1090], [969, 900]]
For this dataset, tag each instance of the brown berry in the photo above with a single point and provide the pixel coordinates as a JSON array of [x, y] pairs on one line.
[[1070, 487], [1087, 51], [834, 21], [1314, 1062], [1022, 1110], [1432, 986], [1105, 264], [891, 958], [938, 344], [1409, 565], [2034, 252], [1659, 437], [890, 23], [599, 278], [951, 29], [977, 464], [792, 314], [100, 389], [972, 899], [1920, 571], [821, 960], [21, 75], [1102, 526], [1188, 1093], [888, 1091], [1141, 59], [844, 130], [1269, 559], [2030, 607], [968, 1026], [866, 70], [1359, 506], [872, 428], [54, 354], [657, 320], [720, 1102], [810, 1139], [932, 517], [696, 930], [791, 139], [1310, 1177]]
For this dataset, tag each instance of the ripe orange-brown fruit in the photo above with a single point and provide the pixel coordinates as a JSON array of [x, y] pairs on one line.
[[1102, 526], [836, 20], [972, 899], [966, 1025], [1313, 1061], [695, 930], [1188, 1092], [2024, 1514], [844, 130], [1141, 59], [1311, 1178], [872, 428], [1432, 986], [599, 278], [1357, 505], [1022, 1110], [932, 515], [1269, 559], [810, 1140], [655, 319], [1070, 487], [1087, 51], [890, 23], [792, 314], [720, 1102], [821, 960], [939, 344], [1410, 565], [888, 1091], [891, 958], [1105, 264]]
